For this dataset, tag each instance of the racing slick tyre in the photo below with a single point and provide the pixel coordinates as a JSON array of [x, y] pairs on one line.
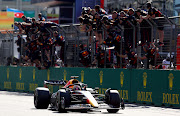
[[63, 100], [112, 98], [41, 98]]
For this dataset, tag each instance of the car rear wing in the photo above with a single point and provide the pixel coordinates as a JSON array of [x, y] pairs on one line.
[[74, 77], [54, 82]]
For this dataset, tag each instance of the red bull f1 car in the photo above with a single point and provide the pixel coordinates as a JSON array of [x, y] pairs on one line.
[[76, 95]]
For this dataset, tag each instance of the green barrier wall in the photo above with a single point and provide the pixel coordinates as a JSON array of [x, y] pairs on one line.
[[152, 87]]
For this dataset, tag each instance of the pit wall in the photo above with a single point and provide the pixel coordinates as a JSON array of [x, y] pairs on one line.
[[151, 87]]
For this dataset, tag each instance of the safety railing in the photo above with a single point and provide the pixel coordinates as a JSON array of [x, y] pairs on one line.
[[74, 36]]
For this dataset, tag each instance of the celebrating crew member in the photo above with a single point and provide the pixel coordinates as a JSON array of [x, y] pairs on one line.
[[131, 58], [152, 14], [152, 56], [100, 58], [84, 56], [59, 41], [40, 18]]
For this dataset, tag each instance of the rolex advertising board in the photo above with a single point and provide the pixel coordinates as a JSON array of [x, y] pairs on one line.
[[151, 87]]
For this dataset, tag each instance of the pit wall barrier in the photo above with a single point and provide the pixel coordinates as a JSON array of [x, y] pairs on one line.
[[151, 87]]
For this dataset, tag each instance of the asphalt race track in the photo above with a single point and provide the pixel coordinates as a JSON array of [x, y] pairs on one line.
[[21, 104]]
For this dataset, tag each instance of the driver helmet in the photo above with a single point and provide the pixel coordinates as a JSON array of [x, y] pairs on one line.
[[76, 87]]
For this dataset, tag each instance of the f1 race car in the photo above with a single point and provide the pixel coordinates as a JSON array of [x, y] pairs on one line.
[[76, 95]]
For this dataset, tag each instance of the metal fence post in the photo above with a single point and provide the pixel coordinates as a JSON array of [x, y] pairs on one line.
[[138, 47], [171, 25], [121, 43], [152, 29], [12, 44], [2, 50], [134, 34], [175, 39], [52, 49], [77, 46], [105, 54], [65, 46], [92, 46]]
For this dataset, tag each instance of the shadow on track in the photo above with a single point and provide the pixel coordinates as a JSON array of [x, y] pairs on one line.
[[16, 93]]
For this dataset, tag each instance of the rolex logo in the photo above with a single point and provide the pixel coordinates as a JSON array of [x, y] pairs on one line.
[[82, 76], [101, 77], [34, 74], [122, 79], [144, 79], [20, 74], [7, 73], [171, 77], [65, 73], [48, 74]]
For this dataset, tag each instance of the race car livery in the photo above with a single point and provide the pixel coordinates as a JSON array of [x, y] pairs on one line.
[[76, 95]]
